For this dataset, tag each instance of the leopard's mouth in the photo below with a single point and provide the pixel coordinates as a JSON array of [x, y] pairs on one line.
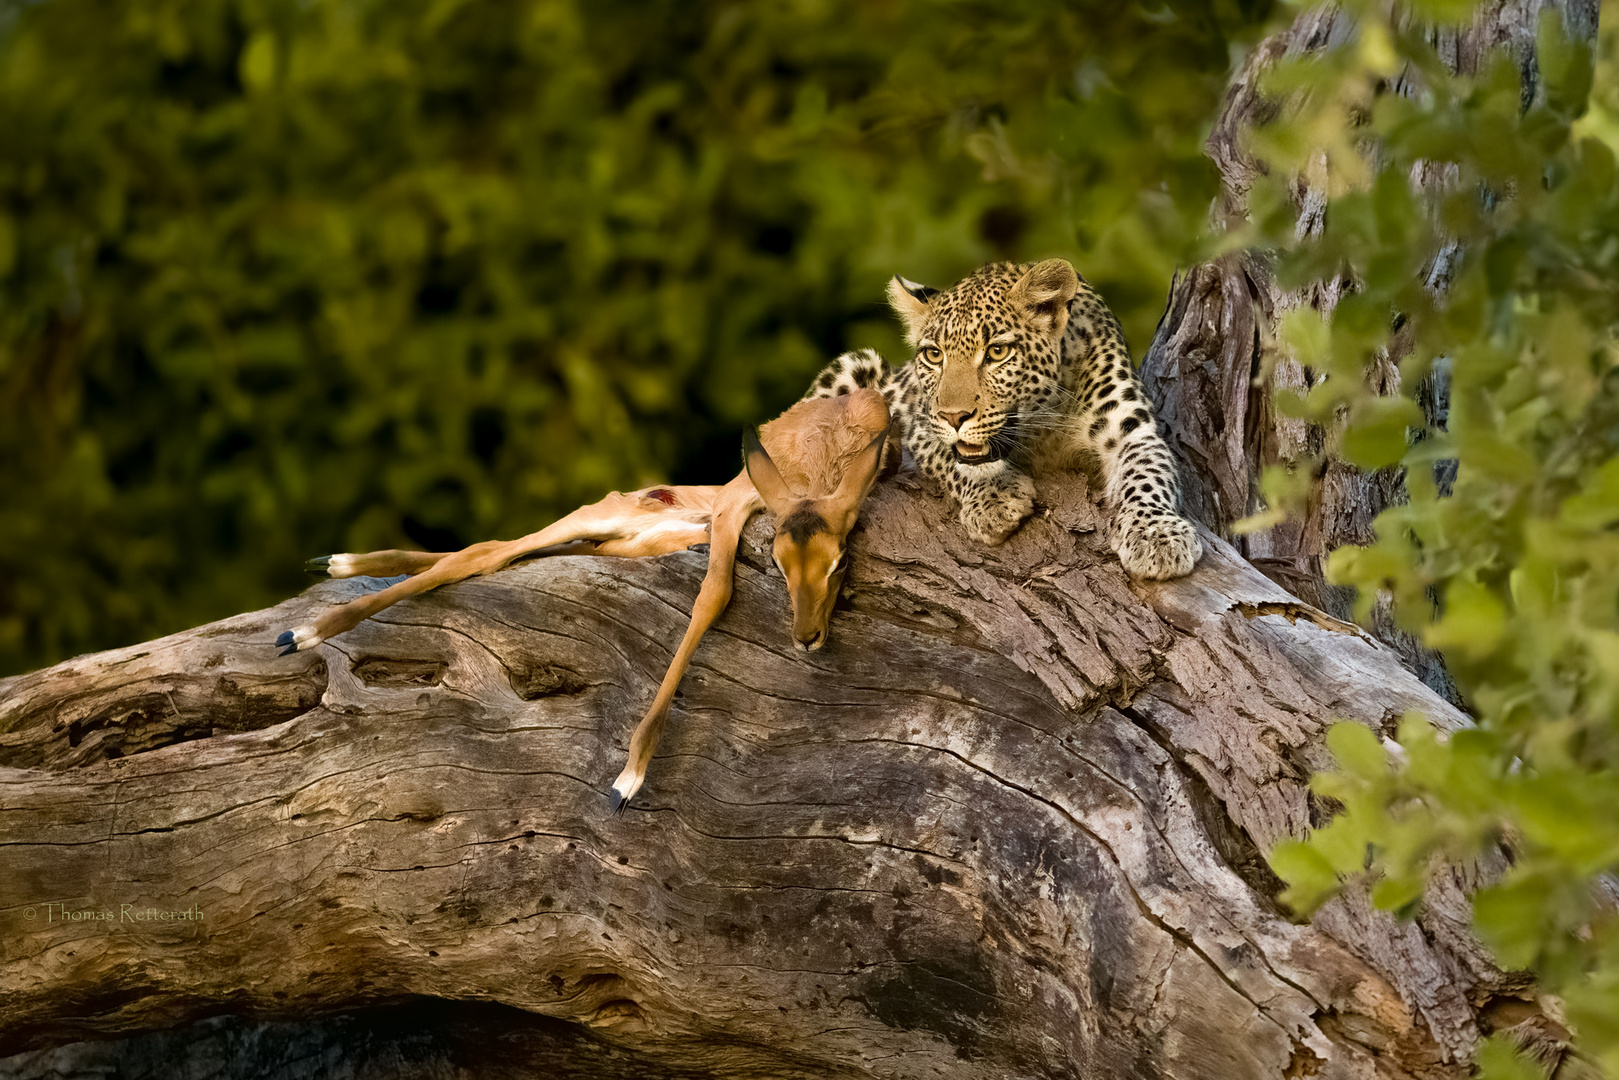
[[973, 453], [1001, 443]]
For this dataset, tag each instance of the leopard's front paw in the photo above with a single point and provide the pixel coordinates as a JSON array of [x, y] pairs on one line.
[[991, 510], [1157, 546]]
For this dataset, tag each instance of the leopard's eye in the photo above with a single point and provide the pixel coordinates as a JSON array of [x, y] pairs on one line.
[[998, 351], [930, 354]]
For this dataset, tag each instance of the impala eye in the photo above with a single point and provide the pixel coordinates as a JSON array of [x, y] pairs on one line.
[[998, 351], [837, 564]]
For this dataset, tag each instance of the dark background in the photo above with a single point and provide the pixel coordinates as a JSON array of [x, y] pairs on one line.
[[280, 278]]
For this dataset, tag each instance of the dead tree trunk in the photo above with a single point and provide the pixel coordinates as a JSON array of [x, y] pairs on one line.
[[1010, 823]]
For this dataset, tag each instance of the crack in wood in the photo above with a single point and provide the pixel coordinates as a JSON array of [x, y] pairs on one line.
[[1293, 611]]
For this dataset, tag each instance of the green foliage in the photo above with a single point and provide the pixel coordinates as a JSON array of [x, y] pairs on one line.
[[1500, 273], [282, 277], [1498, 1059]]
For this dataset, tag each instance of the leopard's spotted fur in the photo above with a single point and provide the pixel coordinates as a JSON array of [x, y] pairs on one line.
[[1063, 382]]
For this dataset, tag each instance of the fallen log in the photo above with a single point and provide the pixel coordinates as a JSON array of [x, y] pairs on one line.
[[1009, 822]]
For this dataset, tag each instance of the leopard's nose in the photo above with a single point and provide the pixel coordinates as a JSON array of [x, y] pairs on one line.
[[955, 418]]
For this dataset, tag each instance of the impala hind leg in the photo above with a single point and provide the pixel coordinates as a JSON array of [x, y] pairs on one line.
[[456, 566], [664, 538], [618, 517]]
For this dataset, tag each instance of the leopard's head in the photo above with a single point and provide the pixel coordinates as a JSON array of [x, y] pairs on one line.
[[988, 352]]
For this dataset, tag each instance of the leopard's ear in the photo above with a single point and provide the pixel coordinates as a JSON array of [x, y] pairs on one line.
[[910, 302], [1043, 293]]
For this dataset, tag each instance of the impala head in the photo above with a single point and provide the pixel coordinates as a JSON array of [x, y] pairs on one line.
[[811, 534]]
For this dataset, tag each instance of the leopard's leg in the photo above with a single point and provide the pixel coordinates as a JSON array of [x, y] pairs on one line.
[[995, 499], [1114, 420]]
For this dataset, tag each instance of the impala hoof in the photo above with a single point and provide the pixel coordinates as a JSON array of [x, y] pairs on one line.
[[624, 788], [339, 566], [299, 640]]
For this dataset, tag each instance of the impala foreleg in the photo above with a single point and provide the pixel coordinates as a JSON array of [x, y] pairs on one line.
[[737, 503]]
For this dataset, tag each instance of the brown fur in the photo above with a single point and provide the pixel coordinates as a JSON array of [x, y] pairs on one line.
[[818, 459], [813, 446]]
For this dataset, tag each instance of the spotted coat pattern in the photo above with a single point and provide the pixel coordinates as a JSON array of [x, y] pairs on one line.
[[998, 379]]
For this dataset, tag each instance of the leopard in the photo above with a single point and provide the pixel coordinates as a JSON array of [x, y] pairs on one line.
[[1015, 362]]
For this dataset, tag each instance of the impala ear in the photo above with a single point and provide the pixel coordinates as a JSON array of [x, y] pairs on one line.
[[910, 302], [858, 479], [766, 479], [1043, 293]]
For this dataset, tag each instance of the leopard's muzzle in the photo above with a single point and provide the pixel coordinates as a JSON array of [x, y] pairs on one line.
[[994, 448]]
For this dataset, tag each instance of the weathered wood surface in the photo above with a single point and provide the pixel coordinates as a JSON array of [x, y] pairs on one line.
[[1006, 824]]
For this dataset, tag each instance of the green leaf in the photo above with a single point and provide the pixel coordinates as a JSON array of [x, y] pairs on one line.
[[1499, 1059], [1358, 750], [1306, 335], [1397, 894], [1565, 66], [1310, 878], [1286, 489], [1452, 12], [1509, 919], [1379, 432], [258, 64], [1595, 507], [1474, 623]]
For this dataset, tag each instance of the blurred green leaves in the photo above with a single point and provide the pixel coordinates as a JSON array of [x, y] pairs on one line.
[[1481, 237], [283, 277]]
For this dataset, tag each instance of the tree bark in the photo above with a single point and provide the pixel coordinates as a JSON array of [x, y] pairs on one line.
[[1009, 823], [1218, 332]]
